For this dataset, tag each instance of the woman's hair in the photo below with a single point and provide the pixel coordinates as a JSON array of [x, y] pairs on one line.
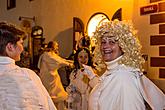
[[126, 36], [53, 46], [76, 63], [9, 33], [84, 42]]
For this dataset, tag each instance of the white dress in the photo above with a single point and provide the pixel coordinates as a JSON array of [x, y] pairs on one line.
[[21, 88], [124, 88], [78, 90], [49, 63]]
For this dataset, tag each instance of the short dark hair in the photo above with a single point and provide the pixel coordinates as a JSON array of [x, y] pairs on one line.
[[9, 33]]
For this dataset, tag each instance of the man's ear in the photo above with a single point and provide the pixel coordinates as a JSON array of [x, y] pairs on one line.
[[9, 48]]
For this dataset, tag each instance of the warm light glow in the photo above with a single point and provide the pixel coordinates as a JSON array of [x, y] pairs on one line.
[[94, 22]]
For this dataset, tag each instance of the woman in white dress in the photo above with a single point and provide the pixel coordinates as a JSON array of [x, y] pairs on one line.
[[123, 85], [49, 63], [79, 88]]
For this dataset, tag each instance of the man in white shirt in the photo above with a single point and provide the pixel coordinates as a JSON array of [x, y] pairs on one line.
[[20, 88]]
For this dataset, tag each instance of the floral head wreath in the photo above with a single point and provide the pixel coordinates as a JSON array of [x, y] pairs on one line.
[[126, 36]]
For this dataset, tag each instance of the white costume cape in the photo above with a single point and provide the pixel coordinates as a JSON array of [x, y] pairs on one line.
[[124, 88]]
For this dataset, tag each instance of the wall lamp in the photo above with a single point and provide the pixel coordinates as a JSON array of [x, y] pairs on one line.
[[23, 17]]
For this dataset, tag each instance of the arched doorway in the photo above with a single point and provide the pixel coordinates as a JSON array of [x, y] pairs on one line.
[[94, 21]]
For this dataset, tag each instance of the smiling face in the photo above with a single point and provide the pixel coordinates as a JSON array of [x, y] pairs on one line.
[[83, 57], [110, 49]]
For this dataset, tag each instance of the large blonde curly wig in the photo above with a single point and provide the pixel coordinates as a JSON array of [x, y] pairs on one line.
[[126, 36]]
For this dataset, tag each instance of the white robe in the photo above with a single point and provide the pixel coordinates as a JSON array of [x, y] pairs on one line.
[[49, 63], [21, 88], [124, 88]]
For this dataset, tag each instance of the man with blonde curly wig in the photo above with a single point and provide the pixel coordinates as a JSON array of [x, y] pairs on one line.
[[123, 85]]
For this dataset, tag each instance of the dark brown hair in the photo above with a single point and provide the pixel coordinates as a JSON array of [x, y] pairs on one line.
[[8, 34]]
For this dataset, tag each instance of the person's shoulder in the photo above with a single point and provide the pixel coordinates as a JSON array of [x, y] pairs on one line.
[[127, 69], [126, 73], [50, 54], [121, 70], [44, 53], [28, 71]]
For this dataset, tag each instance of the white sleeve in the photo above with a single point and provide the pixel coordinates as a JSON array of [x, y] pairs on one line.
[[39, 84]]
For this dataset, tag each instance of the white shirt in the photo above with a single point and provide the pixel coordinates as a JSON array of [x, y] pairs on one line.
[[119, 88], [21, 88]]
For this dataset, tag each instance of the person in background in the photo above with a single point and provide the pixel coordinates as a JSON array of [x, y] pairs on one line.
[[20, 88], [123, 85], [79, 88], [49, 63], [83, 42]]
